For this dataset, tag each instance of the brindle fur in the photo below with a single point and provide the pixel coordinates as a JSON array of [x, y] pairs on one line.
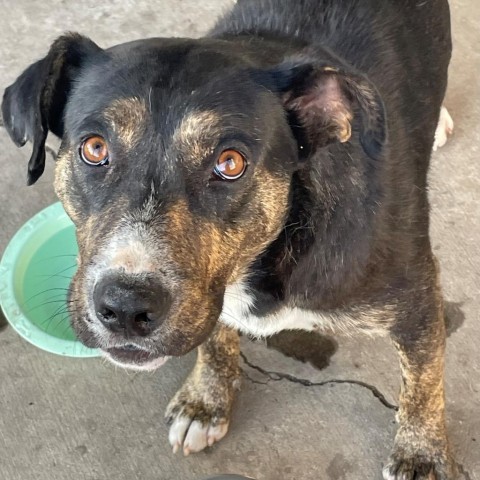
[[335, 106], [208, 393], [128, 117], [422, 432]]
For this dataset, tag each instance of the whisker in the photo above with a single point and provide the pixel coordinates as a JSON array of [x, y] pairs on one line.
[[235, 319], [43, 304], [236, 296], [68, 277], [62, 271], [41, 293], [47, 259], [61, 321], [46, 323], [59, 311]]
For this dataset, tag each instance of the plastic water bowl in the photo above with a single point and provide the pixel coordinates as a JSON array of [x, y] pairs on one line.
[[35, 273]]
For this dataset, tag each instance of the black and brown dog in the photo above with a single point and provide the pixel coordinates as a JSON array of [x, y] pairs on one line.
[[270, 176]]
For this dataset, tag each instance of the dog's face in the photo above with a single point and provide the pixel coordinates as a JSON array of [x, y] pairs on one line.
[[175, 166], [196, 185]]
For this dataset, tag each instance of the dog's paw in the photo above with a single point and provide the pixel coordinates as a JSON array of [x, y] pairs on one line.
[[416, 461], [198, 417], [444, 129], [417, 468]]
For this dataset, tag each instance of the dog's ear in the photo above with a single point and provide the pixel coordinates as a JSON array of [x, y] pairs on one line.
[[322, 102], [35, 103]]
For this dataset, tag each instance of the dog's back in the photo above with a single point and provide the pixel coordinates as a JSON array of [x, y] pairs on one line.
[[366, 33]]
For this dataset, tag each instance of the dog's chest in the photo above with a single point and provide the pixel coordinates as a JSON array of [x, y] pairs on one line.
[[237, 314]]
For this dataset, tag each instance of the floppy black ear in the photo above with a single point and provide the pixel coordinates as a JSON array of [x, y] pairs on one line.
[[35, 103], [324, 100]]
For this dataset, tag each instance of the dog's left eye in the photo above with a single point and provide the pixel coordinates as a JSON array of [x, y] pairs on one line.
[[94, 151], [231, 165]]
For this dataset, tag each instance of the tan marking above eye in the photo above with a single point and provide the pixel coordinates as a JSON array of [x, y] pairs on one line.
[[94, 151], [231, 165]]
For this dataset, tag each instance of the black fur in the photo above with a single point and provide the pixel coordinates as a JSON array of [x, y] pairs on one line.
[[35, 103]]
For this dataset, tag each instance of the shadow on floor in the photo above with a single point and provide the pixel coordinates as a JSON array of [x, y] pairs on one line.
[[3, 321], [454, 316], [310, 347], [318, 349]]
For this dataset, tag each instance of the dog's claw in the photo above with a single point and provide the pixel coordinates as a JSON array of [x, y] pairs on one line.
[[444, 129]]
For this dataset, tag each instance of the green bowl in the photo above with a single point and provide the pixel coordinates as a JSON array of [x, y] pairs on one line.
[[35, 272]]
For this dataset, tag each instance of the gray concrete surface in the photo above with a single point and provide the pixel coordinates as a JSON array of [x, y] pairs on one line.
[[74, 419]]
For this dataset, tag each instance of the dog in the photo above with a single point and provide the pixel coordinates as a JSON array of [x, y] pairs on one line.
[[269, 176]]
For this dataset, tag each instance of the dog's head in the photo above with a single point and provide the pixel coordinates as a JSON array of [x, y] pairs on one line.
[[176, 167]]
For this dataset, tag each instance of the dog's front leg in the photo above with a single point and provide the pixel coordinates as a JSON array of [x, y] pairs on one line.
[[421, 449], [199, 413]]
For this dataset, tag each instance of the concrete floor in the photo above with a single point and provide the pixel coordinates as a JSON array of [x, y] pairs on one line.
[[64, 418]]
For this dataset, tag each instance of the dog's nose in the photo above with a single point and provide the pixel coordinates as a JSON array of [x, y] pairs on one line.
[[136, 310]]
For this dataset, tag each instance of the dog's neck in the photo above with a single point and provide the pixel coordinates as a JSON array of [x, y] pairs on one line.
[[318, 251]]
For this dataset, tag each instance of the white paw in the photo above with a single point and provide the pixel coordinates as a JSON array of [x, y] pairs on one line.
[[192, 436], [444, 129]]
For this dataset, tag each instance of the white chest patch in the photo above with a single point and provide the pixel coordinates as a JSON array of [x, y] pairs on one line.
[[236, 314]]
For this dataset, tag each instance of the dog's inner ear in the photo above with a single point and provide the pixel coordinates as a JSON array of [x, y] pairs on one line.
[[35, 103], [323, 110], [323, 104]]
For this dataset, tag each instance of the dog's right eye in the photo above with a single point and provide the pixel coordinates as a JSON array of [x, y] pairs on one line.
[[94, 151]]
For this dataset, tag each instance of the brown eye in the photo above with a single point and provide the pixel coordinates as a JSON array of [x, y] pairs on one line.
[[94, 151], [230, 165]]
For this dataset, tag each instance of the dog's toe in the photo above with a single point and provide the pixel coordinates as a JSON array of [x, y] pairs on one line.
[[444, 129], [178, 431]]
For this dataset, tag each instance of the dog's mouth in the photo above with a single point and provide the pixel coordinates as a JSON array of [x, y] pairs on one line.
[[133, 357], [129, 353]]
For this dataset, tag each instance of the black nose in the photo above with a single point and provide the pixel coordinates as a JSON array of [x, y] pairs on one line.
[[132, 307]]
